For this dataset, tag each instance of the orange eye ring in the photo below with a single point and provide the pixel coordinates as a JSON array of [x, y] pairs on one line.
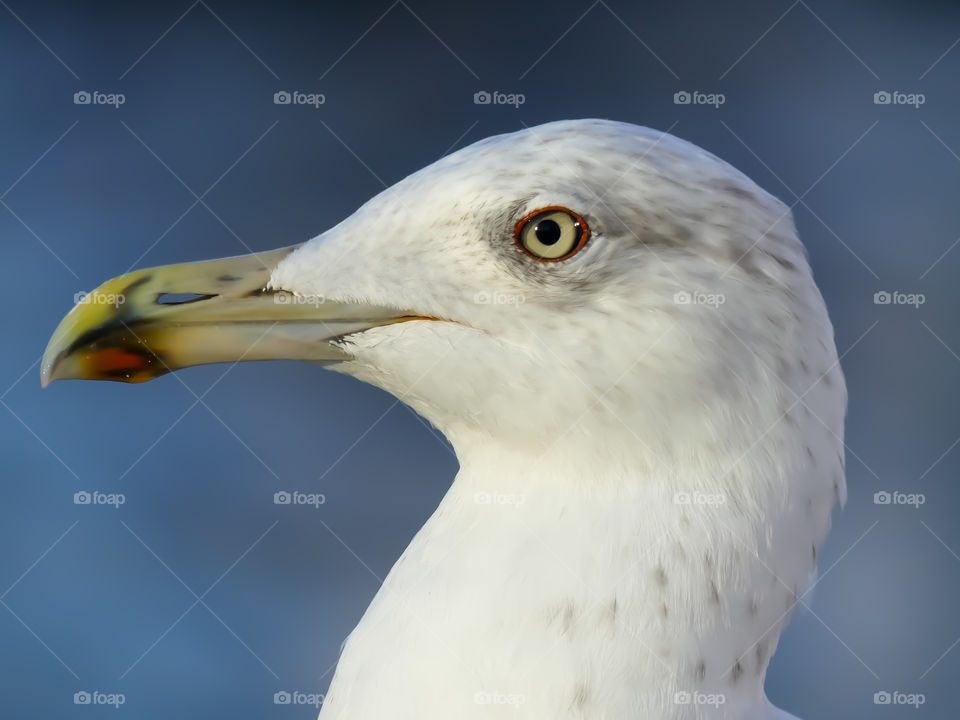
[[551, 234]]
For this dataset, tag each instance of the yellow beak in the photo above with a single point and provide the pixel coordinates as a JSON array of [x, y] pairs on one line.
[[150, 322]]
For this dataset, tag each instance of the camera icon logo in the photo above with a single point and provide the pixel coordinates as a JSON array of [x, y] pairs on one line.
[[281, 497], [281, 98], [881, 698], [681, 697], [882, 498], [81, 497], [81, 698], [482, 97], [81, 98], [481, 298], [682, 98], [681, 298], [881, 298], [881, 97], [281, 698]]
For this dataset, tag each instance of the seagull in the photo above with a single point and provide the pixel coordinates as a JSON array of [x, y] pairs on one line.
[[621, 338]]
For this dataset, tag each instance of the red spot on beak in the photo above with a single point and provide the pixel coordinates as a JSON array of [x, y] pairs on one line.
[[110, 361]]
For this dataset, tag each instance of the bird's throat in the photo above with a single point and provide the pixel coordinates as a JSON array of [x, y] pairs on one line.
[[561, 593]]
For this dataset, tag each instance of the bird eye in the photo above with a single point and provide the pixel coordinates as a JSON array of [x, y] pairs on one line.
[[552, 234]]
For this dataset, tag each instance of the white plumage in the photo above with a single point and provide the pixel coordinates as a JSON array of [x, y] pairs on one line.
[[650, 433], [621, 337]]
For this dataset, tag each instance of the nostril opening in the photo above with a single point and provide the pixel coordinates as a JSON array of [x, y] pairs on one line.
[[181, 298]]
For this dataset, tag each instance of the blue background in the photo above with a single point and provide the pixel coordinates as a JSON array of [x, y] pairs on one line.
[[95, 598]]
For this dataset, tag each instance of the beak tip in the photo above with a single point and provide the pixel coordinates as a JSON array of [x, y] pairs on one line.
[[48, 370]]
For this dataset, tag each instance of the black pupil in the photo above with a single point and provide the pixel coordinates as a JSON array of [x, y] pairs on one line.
[[548, 232]]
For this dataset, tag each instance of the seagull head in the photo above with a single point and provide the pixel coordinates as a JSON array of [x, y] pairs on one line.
[[576, 279]]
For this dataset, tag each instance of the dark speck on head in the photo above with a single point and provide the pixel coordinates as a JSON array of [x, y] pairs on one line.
[[660, 575]]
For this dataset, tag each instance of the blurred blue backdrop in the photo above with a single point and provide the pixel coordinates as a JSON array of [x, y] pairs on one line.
[[199, 597]]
